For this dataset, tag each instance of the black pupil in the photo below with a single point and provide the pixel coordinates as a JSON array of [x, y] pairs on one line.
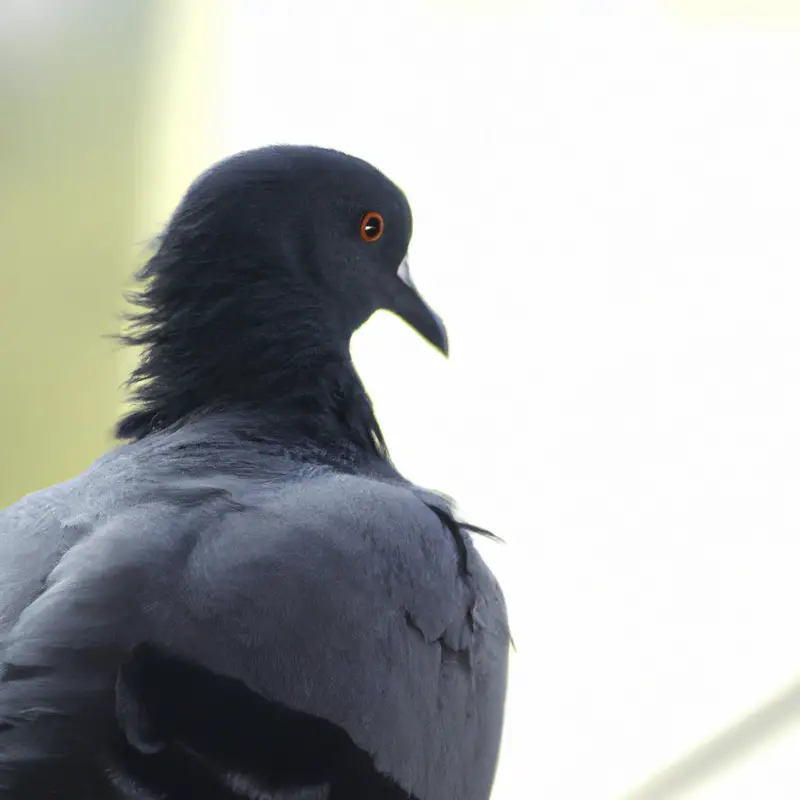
[[373, 227]]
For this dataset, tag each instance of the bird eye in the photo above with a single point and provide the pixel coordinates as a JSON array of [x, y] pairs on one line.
[[371, 226]]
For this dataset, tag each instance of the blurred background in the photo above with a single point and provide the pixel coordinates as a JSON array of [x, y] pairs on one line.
[[606, 215]]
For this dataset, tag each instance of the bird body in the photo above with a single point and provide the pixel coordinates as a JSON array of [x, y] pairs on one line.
[[247, 600]]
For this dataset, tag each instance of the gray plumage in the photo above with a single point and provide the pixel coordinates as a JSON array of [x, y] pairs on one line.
[[272, 564]]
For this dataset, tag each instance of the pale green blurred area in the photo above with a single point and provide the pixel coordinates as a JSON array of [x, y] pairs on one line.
[[71, 95], [88, 103]]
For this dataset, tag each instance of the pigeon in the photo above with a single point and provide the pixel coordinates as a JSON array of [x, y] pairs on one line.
[[245, 599]]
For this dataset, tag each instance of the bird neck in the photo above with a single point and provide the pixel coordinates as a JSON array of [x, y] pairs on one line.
[[296, 387]]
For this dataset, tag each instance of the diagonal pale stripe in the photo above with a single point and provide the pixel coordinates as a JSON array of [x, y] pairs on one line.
[[728, 747]]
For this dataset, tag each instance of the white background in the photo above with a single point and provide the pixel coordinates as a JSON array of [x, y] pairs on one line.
[[606, 203]]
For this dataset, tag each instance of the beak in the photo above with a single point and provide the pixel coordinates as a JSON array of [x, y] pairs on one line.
[[408, 304]]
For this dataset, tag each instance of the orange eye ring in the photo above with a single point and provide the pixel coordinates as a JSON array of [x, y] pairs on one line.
[[371, 226]]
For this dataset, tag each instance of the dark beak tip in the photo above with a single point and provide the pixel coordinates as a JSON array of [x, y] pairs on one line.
[[444, 346], [407, 303], [434, 332], [438, 335]]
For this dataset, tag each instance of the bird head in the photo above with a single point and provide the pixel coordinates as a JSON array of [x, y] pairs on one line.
[[314, 221]]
